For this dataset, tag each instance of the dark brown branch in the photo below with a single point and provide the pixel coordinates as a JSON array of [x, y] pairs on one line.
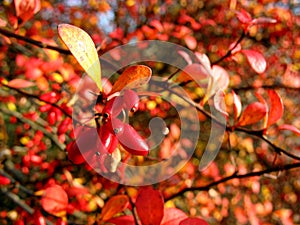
[[233, 176], [228, 54], [40, 44]]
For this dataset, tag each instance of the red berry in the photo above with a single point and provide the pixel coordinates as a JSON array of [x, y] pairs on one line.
[[131, 100], [132, 142], [113, 107]]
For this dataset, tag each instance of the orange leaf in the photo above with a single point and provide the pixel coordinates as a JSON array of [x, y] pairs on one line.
[[193, 221], [20, 83], [276, 107], [132, 77], [55, 200], [256, 60], [190, 42], [113, 206], [150, 206], [83, 49], [253, 113]]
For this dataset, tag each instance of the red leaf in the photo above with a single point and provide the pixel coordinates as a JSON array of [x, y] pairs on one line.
[[150, 206], [190, 42], [243, 16], [20, 83], [26, 9], [114, 205], [253, 113], [173, 216], [256, 60], [276, 107], [234, 48], [290, 128], [122, 220], [193, 221], [55, 200]]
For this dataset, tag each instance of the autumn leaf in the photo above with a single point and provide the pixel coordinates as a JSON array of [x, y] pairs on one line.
[[256, 60], [113, 206], [173, 216], [219, 102], [25, 9], [253, 113], [289, 127], [132, 77], [122, 220], [150, 206], [276, 107], [20, 83], [237, 105], [55, 200], [243, 16], [193, 221], [83, 49]]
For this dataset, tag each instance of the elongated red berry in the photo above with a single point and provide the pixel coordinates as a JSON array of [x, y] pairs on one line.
[[131, 100], [113, 107], [132, 142], [108, 139]]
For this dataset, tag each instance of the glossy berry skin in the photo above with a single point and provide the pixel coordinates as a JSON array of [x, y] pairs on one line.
[[132, 142], [112, 108], [108, 139], [131, 100]]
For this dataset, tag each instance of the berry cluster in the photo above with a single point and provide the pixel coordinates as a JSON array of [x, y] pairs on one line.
[[95, 145]]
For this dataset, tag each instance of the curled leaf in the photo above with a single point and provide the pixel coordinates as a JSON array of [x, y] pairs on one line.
[[256, 60], [150, 206], [132, 77], [83, 49], [253, 113]]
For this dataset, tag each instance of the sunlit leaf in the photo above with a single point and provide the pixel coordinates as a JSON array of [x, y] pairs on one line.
[[237, 105], [276, 107], [26, 9], [253, 113], [83, 49], [219, 102], [290, 128], [193, 221], [132, 77], [20, 83], [263, 101], [234, 48], [256, 60], [113, 206], [204, 60], [150, 206], [55, 200], [173, 216], [190, 42]]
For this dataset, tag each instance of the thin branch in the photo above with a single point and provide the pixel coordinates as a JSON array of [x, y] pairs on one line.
[[34, 126], [233, 176], [228, 54], [40, 44]]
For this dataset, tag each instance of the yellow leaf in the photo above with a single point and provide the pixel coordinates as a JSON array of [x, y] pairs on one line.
[[83, 49]]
